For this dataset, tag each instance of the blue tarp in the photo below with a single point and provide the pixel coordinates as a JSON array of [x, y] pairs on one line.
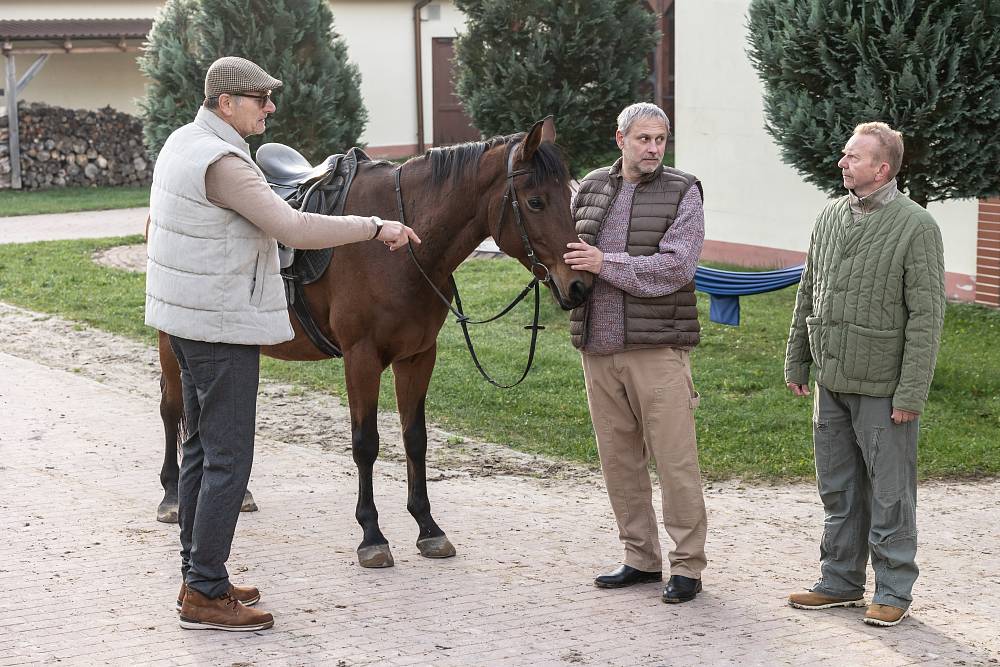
[[726, 288]]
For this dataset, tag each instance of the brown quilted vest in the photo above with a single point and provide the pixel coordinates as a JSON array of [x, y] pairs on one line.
[[662, 321]]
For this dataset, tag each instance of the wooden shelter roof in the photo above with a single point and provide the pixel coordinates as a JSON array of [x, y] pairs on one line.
[[45, 29]]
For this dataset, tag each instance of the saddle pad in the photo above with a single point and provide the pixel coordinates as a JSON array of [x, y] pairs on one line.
[[310, 265]]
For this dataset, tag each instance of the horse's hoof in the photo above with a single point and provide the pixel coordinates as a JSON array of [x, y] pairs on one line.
[[377, 555], [166, 512], [436, 547], [248, 504]]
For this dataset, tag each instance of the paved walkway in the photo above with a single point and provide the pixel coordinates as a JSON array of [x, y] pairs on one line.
[[88, 577], [83, 225]]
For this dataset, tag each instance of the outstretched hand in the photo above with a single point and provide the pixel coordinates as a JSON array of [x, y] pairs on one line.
[[395, 235]]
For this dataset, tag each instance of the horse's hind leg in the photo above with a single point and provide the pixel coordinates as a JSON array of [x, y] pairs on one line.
[[174, 432], [363, 375], [172, 414], [413, 376]]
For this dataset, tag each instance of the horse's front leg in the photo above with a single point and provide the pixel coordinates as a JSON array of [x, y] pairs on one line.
[[413, 376], [363, 373]]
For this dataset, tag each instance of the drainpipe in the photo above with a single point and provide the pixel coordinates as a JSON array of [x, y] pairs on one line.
[[420, 4]]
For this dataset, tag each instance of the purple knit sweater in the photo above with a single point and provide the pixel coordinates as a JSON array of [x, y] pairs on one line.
[[659, 274]]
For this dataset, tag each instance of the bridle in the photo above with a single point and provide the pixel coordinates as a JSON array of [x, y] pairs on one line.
[[511, 196], [539, 272]]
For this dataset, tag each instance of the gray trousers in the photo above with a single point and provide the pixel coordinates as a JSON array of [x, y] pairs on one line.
[[220, 405], [866, 471]]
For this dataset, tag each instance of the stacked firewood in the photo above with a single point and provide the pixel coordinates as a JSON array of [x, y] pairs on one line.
[[62, 147]]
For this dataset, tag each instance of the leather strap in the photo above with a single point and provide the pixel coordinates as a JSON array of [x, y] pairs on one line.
[[301, 310], [461, 318]]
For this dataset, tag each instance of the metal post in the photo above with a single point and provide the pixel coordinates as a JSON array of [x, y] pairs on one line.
[[10, 92], [418, 46]]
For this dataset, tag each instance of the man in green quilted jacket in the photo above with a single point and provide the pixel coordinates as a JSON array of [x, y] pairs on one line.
[[868, 318]]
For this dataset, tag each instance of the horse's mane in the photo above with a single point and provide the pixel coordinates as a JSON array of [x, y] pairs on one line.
[[454, 161]]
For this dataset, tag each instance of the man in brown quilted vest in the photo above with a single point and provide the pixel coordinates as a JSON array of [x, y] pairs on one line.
[[641, 228]]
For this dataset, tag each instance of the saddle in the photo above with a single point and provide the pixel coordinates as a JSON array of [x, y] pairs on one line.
[[320, 188]]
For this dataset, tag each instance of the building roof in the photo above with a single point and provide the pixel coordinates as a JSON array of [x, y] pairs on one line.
[[75, 29]]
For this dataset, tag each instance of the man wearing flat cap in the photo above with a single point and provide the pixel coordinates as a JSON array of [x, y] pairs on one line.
[[213, 284]]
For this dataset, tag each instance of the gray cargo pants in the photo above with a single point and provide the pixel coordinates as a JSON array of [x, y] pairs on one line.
[[220, 405], [866, 471]]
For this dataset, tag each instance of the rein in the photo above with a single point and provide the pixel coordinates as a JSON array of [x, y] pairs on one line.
[[539, 272]]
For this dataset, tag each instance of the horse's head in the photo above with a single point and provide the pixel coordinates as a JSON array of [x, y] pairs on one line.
[[537, 226]]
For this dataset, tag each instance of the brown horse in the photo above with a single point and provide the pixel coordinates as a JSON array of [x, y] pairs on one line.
[[379, 310]]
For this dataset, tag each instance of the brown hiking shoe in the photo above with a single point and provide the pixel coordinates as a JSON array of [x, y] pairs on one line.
[[810, 600], [200, 612], [248, 595], [884, 615]]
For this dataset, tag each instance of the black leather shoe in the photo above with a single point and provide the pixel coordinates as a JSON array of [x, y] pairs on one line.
[[681, 589], [626, 576]]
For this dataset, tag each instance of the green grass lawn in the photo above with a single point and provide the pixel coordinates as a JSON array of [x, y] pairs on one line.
[[748, 424], [65, 200]]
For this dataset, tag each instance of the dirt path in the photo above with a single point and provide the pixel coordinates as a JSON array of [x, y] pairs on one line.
[[285, 413]]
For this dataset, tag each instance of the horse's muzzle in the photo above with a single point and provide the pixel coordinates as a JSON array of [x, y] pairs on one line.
[[576, 294]]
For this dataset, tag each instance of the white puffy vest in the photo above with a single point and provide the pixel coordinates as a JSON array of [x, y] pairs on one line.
[[211, 275]]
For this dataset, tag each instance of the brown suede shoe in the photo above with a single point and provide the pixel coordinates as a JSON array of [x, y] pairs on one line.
[[248, 595], [810, 600], [884, 615], [225, 613]]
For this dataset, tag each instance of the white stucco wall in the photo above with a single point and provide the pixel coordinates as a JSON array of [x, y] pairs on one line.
[[379, 36], [85, 81], [751, 196], [378, 33]]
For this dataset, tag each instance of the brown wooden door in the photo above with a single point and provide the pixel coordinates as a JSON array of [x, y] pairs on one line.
[[451, 124]]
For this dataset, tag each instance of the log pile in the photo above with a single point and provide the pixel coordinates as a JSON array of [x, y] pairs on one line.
[[72, 147]]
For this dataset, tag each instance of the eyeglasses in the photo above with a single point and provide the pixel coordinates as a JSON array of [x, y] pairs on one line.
[[261, 99]]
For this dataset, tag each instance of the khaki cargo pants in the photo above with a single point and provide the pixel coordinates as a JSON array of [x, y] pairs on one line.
[[642, 404]]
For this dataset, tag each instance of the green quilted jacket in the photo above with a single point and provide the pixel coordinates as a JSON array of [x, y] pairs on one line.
[[870, 307]]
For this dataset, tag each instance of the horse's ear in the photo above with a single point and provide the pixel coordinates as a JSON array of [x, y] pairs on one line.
[[549, 129], [543, 130]]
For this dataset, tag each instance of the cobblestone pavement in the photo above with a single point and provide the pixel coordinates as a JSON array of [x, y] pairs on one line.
[[88, 577]]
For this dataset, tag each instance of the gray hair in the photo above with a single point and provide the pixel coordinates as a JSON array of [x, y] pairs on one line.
[[640, 110], [890, 144]]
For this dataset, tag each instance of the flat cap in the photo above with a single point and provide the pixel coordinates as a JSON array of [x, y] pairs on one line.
[[237, 75]]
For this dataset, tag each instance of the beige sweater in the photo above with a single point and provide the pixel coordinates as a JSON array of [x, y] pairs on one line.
[[232, 183]]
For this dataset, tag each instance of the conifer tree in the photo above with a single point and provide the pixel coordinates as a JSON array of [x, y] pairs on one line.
[[320, 110], [176, 75], [928, 68], [581, 60]]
